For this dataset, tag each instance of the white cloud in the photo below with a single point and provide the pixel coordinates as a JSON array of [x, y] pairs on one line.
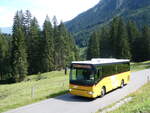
[[6, 16], [63, 9]]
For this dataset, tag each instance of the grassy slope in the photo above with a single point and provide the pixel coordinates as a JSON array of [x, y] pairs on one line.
[[140, 102], [140, 66], [19, 94], [45, 86]]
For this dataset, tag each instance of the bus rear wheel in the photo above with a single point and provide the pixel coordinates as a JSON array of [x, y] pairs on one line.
[[122, 84], [103, 91]]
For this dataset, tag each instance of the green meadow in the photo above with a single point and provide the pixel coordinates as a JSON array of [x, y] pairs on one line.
[[34, 88], [41, 86]]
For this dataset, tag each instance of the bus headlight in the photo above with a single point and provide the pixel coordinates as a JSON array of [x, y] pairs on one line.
[[70, 89], [91, 93]]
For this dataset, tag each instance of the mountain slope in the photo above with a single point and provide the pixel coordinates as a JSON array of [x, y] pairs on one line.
[[103, 12]]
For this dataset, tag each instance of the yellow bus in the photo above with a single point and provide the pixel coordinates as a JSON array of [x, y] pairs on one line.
[[98, 76]]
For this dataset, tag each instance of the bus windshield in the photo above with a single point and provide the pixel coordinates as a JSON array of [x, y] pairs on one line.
[[82, 76]]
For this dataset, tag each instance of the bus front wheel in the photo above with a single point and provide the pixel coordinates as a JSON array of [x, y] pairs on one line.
[[122, 84], [103, 91]]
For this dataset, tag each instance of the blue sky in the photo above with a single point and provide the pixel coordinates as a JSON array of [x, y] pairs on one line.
[[64, 10]]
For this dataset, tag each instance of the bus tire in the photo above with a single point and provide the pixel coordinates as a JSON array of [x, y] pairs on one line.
[[103, 91], [122, 84]]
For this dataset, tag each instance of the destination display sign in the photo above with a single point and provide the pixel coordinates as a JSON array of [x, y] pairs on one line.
[[82, 66]]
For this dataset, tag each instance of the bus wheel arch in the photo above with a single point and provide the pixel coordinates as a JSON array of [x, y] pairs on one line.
[[103, 91], [122, 83]]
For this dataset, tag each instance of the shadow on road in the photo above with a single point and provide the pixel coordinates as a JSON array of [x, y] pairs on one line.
[[72, 98]]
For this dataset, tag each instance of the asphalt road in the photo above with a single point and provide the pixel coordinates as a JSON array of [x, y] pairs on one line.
[[74, 104]]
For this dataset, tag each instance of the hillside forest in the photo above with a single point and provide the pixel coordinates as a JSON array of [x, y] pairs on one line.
[[31, 50], [103, 13], [120, 39]]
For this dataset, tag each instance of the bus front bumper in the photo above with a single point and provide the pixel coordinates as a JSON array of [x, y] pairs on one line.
[[83, 93]]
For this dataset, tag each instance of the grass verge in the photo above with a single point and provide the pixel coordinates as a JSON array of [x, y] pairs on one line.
[[140, 102], [140, 66], [33, 89]]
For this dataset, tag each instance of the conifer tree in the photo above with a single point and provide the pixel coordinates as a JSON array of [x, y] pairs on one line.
[[145, 43], [27, 22], [93, 47], [55, 22], [21, 19], [27, 26], [48, 46], [18, 52], [61, 46], [114, 36], [4, 55], [122, 46], [105, 43], [65, 49], [56, 42], [73, 49], [138, 51], [34, 55], [133, 36], [68, 49], [64, 43]]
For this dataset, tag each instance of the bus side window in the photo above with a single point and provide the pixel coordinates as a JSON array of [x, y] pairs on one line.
[[106, 71], [100, 72], [124, 67], [98, 75], [109, 70]]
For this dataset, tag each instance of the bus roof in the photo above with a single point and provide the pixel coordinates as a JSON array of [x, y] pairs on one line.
[[99, 61]]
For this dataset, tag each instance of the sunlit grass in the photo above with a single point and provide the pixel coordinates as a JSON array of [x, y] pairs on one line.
[[140, 102], [35, 88], [140, 66]]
